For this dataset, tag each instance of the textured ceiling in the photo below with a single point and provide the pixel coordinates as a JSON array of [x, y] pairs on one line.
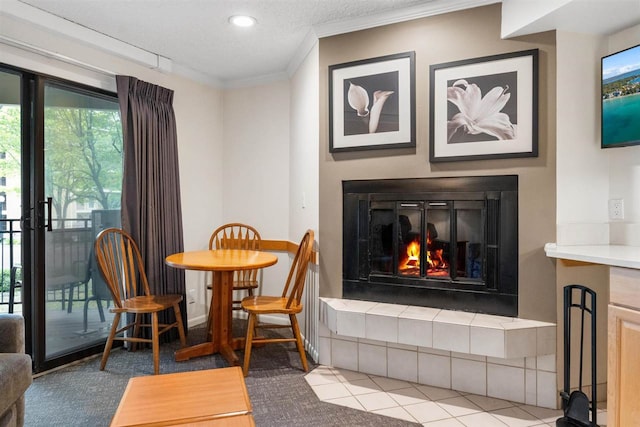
[[196, 36], [196, 33]]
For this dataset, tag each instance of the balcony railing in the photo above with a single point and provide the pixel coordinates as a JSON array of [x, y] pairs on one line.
[[10, 259], [68, 247]]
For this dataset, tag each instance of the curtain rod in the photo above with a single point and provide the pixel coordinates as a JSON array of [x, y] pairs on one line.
[[55, 55]]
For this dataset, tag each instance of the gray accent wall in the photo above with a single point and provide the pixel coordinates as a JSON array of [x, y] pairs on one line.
[[449, 37]]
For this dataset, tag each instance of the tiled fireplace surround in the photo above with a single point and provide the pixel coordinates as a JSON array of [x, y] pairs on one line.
[[502, 357]]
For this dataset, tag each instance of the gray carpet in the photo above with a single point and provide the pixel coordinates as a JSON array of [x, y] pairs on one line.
[[81, 395]]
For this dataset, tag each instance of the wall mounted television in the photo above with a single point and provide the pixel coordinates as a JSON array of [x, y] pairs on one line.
[[620, 125]]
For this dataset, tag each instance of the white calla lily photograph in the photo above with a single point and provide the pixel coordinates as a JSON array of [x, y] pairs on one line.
[[484, 108], [372, 104]]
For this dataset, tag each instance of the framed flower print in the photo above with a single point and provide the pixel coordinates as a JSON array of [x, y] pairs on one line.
[[372, 103], [484, 108]]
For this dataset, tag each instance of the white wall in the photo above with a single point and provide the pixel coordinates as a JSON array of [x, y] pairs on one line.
[[304, 183], [198, 110], [256, 158], [624, 179], [199, 117], [582, 167], [588, 176], [255, 161]]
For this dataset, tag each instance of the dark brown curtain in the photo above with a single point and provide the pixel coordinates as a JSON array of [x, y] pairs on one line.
[[151, 208]]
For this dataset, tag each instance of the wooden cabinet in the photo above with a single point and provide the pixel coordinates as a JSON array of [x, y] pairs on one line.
[[623, 376]]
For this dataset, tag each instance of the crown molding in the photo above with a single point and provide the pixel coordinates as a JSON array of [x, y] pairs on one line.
[[431, 8], [197, 76], [301, 53]]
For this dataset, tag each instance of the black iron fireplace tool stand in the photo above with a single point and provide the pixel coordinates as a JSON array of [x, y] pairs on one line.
[[575, 404]]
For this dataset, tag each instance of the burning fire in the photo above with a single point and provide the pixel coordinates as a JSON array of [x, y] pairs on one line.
[[410, 264], [413, 254]]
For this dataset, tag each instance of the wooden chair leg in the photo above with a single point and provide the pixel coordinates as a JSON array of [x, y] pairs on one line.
[[209, 322], [136, 331], [255, 323], [248, 343], [299, 344], [155, 343], [109, 344], [183, 338]]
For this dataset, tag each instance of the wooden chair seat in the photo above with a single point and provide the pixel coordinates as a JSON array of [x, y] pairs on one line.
[[244, 284], [121, 266], [147, 304], [266, 304], [289, 303]]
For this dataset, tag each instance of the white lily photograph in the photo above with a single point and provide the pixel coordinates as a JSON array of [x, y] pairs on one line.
[[484, 108], [372, 104]]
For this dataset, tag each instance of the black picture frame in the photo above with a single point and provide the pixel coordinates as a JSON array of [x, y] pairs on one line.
[[372, 104], [620, 99], [484, 108]]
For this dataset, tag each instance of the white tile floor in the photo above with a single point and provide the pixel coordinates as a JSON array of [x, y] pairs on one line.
[[430, 406]]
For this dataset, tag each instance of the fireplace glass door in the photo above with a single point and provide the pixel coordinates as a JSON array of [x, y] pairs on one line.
[[439, 243], [410, 237], [470, 219], [435, 242], [382, 223], [428, 239]]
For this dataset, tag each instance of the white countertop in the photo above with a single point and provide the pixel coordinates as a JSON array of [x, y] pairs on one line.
[[615, 255]]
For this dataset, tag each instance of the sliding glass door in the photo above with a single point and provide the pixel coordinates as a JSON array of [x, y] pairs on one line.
[[71, 177], [12, 114], [82, 187]]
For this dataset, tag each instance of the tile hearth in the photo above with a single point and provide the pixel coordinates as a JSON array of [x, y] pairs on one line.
[[459, 331], [492, 356], [427, 405]]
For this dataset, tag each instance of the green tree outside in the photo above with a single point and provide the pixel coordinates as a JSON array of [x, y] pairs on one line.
[[83, 160]]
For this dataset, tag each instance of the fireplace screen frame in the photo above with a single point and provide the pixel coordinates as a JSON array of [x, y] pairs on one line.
[[495, 292]]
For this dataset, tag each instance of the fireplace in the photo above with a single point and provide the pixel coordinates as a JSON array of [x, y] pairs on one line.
[[436, 242]]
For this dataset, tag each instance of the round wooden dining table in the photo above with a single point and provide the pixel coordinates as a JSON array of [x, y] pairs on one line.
[[223, 263]]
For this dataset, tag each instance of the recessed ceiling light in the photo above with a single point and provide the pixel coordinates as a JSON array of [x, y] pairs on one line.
[[242, 20]]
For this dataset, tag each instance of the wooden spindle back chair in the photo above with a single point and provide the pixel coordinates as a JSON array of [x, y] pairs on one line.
[[121, 266], [289, 303], [238, 236]]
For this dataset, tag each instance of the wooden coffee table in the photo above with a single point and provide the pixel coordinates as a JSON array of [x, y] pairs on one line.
[[185, 398], [235, 421]]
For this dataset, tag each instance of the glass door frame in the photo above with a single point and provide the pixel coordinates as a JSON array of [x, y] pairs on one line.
[[34, 218]]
